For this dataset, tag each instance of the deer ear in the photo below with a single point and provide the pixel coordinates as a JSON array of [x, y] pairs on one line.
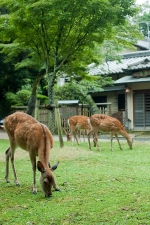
[[54, 167], [40, 167]]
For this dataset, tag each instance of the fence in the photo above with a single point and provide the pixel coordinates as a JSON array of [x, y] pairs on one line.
[[68, 111]]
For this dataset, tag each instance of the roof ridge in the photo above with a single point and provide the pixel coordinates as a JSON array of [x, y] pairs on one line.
[[135, 54]]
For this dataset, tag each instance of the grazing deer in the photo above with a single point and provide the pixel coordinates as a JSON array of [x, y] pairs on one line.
[[27, 133], [76, 125], [105, 123]]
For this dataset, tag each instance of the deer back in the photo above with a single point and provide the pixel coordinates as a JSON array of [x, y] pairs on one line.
[[105, 123], [27, 133], [79, 122]]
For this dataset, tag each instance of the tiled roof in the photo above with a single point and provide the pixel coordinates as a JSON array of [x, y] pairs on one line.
[[130, 61], [131, 79], [143, 44], [110, 88]]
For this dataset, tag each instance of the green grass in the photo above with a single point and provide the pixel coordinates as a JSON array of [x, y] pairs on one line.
[[110, 188]]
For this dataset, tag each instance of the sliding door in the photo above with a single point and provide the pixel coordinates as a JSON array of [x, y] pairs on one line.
[[142, 111]]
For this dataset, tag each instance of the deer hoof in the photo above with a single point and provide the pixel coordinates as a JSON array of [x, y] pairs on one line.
[[57, 189], [34, 192], [49, 196], [18, 184], [8, 181]]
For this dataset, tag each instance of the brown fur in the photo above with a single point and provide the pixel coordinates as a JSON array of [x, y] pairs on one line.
[[26, 132], [105, 123], [77, 125]]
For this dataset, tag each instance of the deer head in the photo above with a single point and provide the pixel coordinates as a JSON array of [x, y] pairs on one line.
[[68, 134], [47, 179]]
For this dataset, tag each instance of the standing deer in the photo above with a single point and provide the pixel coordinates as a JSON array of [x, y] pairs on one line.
[[76, 125], [27, 133], [105, 123]]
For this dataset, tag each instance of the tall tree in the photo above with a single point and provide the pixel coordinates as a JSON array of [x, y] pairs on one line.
[[62, 32], [143, 18]]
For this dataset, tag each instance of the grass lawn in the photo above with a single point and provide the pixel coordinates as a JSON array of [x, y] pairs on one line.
[[96, 187]]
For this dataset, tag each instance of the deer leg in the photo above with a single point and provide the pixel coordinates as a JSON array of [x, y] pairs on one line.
[[11, 153], [33, 161], [84, 135], [75, 136], [89, 135], [78, 135], [95, 140], [7, 155], [111, 140], [34, 180], [118, 141], [71, 134]]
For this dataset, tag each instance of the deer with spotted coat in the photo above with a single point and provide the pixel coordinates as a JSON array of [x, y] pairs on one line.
[[27, 133], [105, 123], [77, 124]]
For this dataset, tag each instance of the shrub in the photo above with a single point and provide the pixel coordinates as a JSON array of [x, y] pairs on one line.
[[20, 98]]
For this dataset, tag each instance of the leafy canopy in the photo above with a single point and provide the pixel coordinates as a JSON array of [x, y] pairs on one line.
[[62, 31], [72, 90]]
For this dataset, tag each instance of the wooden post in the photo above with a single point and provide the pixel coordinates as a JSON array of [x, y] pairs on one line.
[[110, 110], [58, 120], [37, 104]]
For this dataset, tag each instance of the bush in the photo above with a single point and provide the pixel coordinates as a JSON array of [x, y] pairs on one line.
[[11, 98], [21, 98]]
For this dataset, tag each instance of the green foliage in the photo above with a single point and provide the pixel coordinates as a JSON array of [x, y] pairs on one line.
[[11, 98], [72, 90], [127, 36], [43, 98], [63, 32], [144, 24], [142, 19], [23, 96], [19, 99], [95, 85], [60, 35], [99, 188], [68, 92]]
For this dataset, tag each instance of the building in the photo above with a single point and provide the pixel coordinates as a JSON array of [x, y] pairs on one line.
[[130, 93]]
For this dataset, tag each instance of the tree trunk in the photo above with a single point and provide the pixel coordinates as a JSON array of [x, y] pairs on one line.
[[58, 121], [51, 114], [31, 105], [51, 76], [92, 105], [32, 100]]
